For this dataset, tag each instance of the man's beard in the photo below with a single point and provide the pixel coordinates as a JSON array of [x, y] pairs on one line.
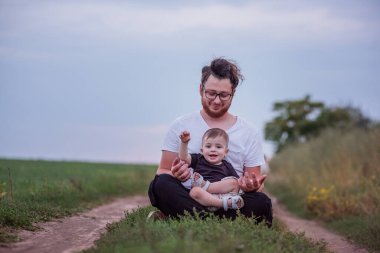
[[213, 114]]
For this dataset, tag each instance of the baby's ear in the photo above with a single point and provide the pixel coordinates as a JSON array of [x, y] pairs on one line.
[[202, 150], [227, 150]]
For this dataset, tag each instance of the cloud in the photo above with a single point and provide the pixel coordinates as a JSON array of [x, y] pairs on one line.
[[156, 130], [122, 20], [24, 54], [123, 130], [112, 143], [125, 143]]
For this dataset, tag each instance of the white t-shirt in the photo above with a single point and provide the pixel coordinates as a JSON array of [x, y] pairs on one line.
[[245, 148]]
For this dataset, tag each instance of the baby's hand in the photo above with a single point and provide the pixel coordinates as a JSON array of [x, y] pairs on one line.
[[185, 136]]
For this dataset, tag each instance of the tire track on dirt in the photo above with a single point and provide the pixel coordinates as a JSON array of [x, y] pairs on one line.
[[75, 233]]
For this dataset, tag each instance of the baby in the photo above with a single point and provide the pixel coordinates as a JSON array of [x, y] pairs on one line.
[[209, 165]]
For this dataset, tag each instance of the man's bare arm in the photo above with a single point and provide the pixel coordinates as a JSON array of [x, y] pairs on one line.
[[166, 162], [170, 164]]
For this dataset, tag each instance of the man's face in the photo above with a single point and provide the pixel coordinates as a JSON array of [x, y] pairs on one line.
[[218, 106]]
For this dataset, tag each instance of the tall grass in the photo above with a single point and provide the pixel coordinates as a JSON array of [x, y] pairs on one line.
[[135, 234], [33, 191], [335, 177]]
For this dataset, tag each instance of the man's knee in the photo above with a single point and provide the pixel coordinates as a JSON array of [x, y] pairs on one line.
[[259, 200], [163, 182], [161, 179], [171, 197], [258, 204], [167, 188], [157, 187]]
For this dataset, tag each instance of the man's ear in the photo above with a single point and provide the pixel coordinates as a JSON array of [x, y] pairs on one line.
[[201, 89]]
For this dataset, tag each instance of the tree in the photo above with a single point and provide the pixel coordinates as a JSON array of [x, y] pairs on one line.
[[295, 122], [343, 117], [300, 120]]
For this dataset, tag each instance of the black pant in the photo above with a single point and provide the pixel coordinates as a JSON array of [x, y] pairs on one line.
[[167, 194]]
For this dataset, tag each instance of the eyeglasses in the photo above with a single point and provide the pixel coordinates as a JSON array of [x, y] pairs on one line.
[[211, 94]]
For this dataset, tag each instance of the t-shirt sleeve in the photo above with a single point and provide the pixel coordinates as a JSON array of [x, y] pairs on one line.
[[171, 140], [254, 151]]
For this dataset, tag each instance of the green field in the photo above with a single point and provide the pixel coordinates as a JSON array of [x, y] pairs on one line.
[[335, 178], [32, 191]]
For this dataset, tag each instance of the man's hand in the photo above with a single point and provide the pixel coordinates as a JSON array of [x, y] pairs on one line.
[[249, 182], [180, 170], [185, 136]]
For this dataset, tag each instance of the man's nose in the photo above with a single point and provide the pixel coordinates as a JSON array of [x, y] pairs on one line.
[[217, 99]]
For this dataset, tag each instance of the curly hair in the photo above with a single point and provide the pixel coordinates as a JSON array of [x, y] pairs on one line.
[[222, 69]]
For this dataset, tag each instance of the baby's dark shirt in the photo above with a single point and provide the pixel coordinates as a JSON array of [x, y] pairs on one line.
[[211, 172]]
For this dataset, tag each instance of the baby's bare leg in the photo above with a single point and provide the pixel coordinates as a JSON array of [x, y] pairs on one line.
[[205, 198], [224, 186]]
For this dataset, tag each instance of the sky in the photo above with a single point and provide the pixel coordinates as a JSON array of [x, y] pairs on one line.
[[102, 80]]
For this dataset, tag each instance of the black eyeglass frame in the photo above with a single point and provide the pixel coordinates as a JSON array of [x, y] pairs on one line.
[[217, 94]]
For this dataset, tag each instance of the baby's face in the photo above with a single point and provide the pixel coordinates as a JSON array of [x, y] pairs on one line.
[[214, 149]]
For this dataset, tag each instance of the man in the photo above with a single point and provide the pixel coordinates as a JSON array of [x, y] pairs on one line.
[[217, 89]]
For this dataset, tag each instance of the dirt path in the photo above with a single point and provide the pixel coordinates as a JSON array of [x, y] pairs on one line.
[[79, 232], [314, 231], [75, 233]]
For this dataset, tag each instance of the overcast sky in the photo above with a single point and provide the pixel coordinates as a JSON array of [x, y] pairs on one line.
[[102, 80]]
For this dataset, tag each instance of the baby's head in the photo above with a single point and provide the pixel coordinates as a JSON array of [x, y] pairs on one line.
[[214, 145]]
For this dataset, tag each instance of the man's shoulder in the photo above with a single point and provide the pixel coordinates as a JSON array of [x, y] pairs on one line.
[[245, 126], [186, 117]]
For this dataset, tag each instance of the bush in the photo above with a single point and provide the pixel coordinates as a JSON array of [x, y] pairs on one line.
[[335, 175]]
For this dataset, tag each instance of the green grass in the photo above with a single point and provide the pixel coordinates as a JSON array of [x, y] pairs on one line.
[[335, 178], [32, 191], [135, 234]]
